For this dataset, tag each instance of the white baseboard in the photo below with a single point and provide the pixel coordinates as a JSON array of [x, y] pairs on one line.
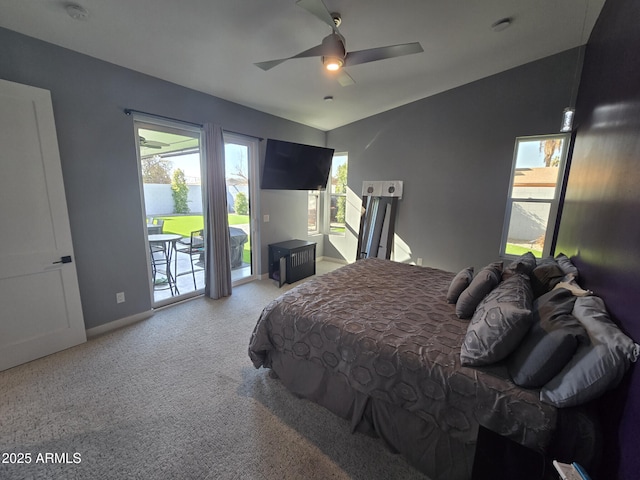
[[114, 325]]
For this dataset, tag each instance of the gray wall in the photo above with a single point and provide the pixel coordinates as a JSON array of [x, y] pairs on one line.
[[99, 164], [454, 152]]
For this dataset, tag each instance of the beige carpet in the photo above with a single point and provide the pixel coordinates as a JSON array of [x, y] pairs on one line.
[[176, 397]]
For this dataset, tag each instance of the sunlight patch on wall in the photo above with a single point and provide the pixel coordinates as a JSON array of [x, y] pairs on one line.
[[348, 244], [401, 250]]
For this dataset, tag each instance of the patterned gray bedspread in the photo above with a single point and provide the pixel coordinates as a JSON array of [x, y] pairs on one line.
[[387, 328]]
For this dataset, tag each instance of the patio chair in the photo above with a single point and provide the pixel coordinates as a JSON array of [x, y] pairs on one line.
[[159, 222], [161, 275], [156, 227], [195, 249]]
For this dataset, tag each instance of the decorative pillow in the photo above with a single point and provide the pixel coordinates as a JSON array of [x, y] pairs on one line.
[[480, 286], [459, 283], [551, 342], [523, 264], [499, 323], [544, 277], [566, 265], [597, 366], [553, 304], [543, 260]]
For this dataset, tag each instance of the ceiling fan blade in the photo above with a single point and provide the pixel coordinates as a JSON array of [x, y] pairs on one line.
[[344, 78], [152, 143], [316, 51], [381, 53], [317, 8], [270, 64]]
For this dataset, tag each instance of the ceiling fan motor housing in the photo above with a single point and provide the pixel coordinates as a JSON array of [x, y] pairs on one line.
[[333, 45], [333, 51]]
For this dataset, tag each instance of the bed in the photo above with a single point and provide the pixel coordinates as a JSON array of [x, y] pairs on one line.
[[377, 343]]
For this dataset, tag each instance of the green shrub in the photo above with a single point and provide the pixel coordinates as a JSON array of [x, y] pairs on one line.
[[180, 192], [241, 204]]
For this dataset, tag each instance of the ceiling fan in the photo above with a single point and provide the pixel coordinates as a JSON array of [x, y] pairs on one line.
[[332, 49], [152, 143]]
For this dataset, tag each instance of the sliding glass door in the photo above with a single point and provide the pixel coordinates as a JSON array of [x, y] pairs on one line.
[[241, 163], [171, 187]]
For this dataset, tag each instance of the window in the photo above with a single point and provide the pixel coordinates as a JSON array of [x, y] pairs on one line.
[[532, 205], [313, 218], [336, 199], [338, 194]]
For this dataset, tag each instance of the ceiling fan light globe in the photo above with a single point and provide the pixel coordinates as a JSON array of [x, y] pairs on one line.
[[332, 63]]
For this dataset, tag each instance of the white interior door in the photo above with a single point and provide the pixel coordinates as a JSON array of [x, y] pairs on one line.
[[40, 309]]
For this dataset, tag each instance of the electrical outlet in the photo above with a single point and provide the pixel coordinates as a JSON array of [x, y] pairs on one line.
[[120, 297], [419, 261]]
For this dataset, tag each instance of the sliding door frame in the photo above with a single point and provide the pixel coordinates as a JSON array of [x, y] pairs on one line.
[[253, 148]]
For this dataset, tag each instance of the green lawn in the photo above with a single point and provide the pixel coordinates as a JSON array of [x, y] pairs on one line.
[[185, 224], [238, 219], [518, 250]]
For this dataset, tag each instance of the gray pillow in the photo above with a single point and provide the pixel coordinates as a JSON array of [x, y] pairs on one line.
[[566, 265], [523, 264], [544, 277], [553, 304], [499, 323], [459, 283], [550, 343], [597, 366], [480, 286]]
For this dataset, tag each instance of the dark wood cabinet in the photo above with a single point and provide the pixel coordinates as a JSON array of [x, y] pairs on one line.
[[292, 260]]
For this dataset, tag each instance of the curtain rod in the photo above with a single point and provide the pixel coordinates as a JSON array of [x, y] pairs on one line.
[[129, 111]]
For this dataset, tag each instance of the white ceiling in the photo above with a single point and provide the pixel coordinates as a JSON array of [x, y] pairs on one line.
[[211, 45]]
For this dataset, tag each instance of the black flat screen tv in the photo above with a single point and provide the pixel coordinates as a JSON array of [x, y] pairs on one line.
[[294, 166]]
